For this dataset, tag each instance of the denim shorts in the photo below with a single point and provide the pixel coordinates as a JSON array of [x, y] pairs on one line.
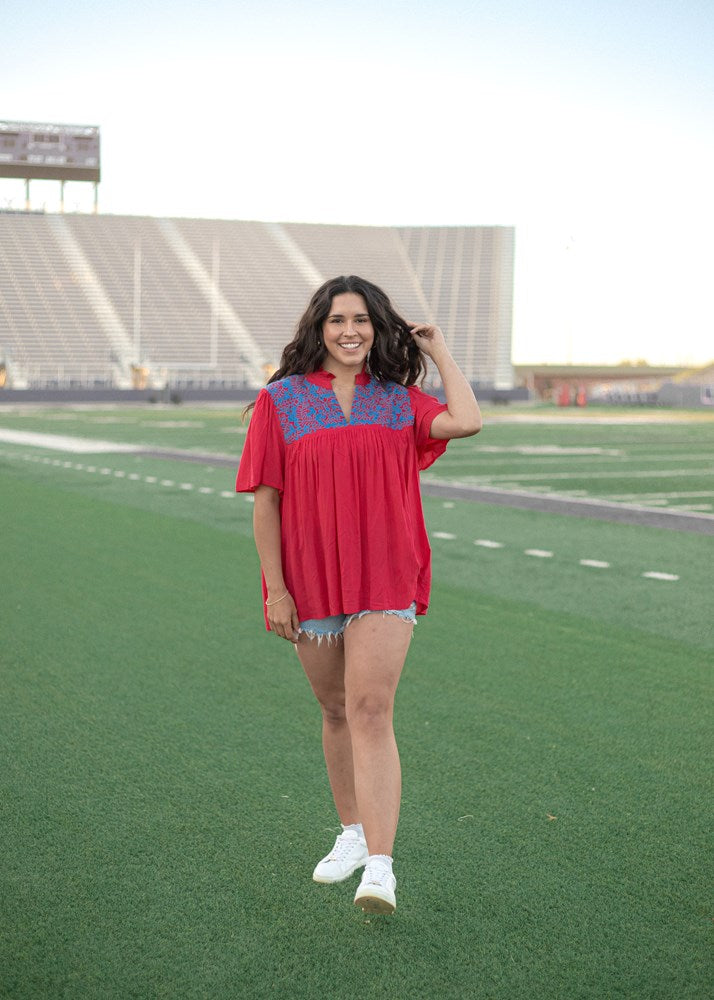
[[334, 626]]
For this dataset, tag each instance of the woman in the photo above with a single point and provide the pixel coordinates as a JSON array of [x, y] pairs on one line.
[[333, 454]]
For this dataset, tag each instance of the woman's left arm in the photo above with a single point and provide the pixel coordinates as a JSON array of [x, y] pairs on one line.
[[463, 416]]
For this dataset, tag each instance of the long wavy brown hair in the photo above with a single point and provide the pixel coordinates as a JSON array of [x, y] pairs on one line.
[[394, 355]]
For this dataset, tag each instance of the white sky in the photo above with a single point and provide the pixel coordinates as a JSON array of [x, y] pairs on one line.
[[586, 124]]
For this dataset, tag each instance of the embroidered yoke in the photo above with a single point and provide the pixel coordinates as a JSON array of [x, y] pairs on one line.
[[353, 533]]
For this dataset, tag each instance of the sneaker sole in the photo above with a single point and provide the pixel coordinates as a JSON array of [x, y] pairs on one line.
[[371, 902], [326, 880]]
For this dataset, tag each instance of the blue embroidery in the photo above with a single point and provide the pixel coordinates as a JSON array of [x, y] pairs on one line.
[[304, 407]]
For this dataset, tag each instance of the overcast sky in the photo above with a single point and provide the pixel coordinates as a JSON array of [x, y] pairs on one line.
[[586, 125]]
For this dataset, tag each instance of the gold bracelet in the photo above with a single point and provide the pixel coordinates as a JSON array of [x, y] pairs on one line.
[[269, 604]]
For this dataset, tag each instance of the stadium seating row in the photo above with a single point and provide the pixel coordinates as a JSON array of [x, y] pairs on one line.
[[89, 299]]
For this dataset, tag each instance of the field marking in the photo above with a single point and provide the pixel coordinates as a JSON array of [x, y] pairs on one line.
[[546, 449], [61, 442], [172, 423], [593, 461], [554, 503], [249, 498], [619, 420], [682, 495], [625, 473]]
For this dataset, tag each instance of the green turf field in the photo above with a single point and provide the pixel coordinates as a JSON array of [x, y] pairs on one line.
[[163, 796]]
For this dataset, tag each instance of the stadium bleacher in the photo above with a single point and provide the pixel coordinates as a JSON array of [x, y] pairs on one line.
[[89, 299]]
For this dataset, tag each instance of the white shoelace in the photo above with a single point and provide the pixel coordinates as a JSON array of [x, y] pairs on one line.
[[376, 873], [344, 845]]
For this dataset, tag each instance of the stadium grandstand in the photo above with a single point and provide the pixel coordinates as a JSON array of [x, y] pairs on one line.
[[120, 302]]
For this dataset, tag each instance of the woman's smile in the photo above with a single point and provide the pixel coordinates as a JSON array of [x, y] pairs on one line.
[[347, 334]]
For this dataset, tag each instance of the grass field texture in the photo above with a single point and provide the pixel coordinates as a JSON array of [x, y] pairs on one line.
[[164, 798]]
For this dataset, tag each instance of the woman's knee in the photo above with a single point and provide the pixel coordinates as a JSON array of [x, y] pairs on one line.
[[370, 712], [333, 710]]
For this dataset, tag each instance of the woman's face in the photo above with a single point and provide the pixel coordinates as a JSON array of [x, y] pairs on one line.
[[348, 334]]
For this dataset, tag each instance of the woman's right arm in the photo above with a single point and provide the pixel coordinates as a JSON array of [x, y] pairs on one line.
[[281, 611]]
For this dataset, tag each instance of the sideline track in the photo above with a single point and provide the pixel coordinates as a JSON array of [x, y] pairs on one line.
[[552, 503]]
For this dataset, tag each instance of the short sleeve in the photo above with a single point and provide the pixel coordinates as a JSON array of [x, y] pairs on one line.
[[263, 460], [425, 408]]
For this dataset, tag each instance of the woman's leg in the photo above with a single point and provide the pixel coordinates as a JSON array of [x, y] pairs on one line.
[[376, 647], [324, 664]]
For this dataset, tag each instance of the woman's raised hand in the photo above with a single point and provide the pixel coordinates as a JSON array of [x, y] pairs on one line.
[[429, 339]]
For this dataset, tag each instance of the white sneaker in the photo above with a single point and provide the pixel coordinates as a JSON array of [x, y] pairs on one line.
[[349, 853], [376, 890]]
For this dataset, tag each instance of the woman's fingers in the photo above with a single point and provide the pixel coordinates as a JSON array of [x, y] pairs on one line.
[[427, 330], [295, 625], [284, 621], [428, 338]]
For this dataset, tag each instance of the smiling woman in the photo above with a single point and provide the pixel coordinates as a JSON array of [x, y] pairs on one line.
[[333, 454]]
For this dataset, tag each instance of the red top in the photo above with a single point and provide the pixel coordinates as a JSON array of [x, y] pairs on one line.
[[353, 533]]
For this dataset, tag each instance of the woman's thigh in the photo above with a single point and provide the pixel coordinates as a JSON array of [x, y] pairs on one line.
[[376, 647], [324, 666]]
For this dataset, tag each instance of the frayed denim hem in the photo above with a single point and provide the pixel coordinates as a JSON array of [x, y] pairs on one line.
[[408, 615], [329, 636]]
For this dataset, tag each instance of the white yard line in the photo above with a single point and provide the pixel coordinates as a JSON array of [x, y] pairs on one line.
[[61, 442], [649, 497], [589, 500], [624, 420], [624, 473], [230, 494]]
